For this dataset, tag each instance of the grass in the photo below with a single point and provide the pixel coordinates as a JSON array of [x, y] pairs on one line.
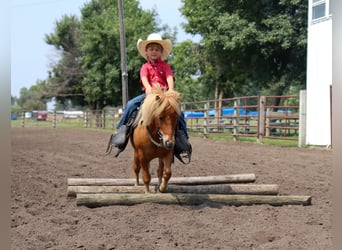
[[251, 139], [79, 124]]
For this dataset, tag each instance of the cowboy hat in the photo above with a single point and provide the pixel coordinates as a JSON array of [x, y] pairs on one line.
[[155, 38]]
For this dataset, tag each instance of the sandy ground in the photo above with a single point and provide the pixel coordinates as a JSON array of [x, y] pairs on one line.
[[43, 217]]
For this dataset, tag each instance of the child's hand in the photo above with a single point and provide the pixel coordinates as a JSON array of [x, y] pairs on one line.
[[148, 90], [155, 85]]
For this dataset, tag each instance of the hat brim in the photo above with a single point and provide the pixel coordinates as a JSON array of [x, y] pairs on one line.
[[166, 44]]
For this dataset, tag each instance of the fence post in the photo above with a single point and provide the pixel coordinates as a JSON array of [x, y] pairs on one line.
[[85, 115], [103, 118], [205, 122], [112, 118], [302, 119], [23, 119], [261, 120], [236, 119], [54, 119], [267, 122]]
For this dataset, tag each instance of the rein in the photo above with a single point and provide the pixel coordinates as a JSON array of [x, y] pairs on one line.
[[159, 145]]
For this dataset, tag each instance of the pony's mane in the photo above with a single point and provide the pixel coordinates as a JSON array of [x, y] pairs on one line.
[[155, 103]]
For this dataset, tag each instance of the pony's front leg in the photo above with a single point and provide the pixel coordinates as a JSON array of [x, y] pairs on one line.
[[166, 175], [160, 171]]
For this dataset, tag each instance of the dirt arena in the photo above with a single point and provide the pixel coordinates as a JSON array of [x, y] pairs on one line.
[[43, 217]]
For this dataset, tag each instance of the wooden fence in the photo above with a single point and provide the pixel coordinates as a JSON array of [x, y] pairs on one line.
[[273, 117]]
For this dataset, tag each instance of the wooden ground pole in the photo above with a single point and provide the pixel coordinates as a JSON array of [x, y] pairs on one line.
[[255, 189], [197, 180], [97, 200]]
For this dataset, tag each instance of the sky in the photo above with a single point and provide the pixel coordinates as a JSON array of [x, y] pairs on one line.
[[32, 19]]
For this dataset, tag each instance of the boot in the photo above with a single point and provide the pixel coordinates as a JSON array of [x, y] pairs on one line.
[[182, 149], [119, 138]]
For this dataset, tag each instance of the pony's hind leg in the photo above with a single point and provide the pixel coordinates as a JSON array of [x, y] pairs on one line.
[[146, 176], [136, 168]]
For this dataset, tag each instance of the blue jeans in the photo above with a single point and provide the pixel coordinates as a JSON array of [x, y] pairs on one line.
[[131, 106], [182, 124], [135, 103]]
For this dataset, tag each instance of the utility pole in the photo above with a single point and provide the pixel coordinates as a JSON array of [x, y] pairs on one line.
[[124, 74]]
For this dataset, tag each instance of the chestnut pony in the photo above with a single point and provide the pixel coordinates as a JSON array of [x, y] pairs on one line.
[[154, 136]]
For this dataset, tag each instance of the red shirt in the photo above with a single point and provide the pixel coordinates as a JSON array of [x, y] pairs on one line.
[[156, 72]]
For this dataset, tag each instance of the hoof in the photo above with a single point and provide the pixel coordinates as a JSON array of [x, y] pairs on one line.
[[162, 190]]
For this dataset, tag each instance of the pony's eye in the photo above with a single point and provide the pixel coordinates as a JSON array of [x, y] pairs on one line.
[[161, 118]]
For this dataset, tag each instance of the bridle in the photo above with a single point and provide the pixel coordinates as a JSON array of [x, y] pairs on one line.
[[160, 137], [159, 144]]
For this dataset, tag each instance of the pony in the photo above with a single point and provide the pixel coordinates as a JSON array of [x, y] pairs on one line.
[[154, 136]]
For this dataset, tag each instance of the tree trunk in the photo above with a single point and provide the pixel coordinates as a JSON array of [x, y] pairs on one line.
[[279, 91]]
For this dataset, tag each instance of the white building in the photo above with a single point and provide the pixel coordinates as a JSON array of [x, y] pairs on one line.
[[319, 74]]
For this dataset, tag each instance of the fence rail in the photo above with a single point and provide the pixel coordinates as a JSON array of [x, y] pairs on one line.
[[273, 117]]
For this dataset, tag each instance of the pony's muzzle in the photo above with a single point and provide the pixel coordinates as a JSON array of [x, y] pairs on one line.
[[169, 144]]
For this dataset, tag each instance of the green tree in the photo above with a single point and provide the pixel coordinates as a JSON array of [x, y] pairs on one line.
[[89, 68], [100, 45], [65, 77], [33, 98], [13, 100], [34, 105], [250, 45], [186, 62]]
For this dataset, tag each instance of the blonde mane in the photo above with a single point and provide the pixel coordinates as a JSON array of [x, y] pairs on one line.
[[157, 102]]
